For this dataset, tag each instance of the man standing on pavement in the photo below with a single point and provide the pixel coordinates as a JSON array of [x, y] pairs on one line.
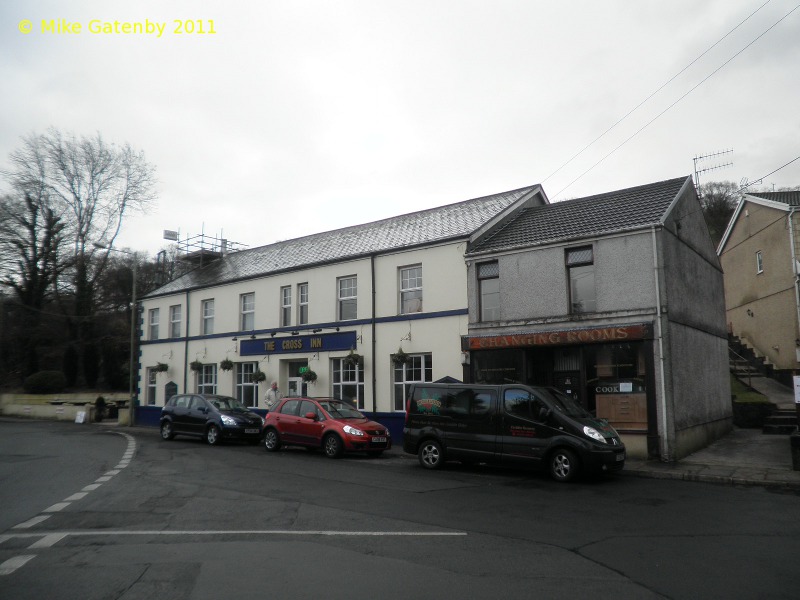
[[272, 396]]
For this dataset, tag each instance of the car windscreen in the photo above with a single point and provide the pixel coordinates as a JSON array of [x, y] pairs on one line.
[[340, 410], [226, 403], [564, 404]]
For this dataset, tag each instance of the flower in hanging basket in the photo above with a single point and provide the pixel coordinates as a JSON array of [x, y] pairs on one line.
[[354, 358], [309, 376], [161, 367], [258, 376], [196, 366], [400, 358], [226, 365]]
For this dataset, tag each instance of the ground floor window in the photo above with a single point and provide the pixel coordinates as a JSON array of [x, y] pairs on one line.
[[418, 368], [348, 382], [616, 387], [246, 387], [207, 380], [151, 387]]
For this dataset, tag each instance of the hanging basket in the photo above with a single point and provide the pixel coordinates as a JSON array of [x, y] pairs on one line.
[[161, 367], [196, 366], [400, 357], [309, 376], [226, 365], [258, 376], [354, 358]]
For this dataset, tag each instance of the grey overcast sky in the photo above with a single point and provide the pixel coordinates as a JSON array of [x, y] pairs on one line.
[[304, 116]]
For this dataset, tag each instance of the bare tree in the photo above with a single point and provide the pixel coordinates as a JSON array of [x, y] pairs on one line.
[[89, 186], [719, 199]]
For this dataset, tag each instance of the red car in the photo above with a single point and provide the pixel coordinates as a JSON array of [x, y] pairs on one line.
[[327, 423]]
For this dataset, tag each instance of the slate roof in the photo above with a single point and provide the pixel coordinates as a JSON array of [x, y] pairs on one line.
[[790, 198], [602, 214], [452, 221]]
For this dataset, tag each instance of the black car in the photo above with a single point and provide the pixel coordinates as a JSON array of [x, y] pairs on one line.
[[209, 416]]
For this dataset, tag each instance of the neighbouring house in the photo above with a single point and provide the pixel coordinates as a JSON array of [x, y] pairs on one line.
[[759, 253], [616, 299]]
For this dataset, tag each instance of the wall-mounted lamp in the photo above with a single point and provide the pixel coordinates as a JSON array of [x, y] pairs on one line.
[[273, 334], [316, 330], [234, 339], [295, 333], [337, 329], [252, 337]]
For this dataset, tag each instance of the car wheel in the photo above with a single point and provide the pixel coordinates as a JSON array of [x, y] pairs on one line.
[[212, 435], [332, 445], [272, 442], [167, 433], [431, 455], [564, 465]]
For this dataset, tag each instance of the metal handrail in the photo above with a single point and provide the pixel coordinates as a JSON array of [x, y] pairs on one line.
[[739, 356]]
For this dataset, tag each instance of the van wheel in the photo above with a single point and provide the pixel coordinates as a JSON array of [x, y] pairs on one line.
[[431, 455], [564, 465]]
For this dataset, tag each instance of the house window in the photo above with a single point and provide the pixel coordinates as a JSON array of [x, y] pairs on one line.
[[489, 290], [151, 387], [348, 290], [302, 304], [246, 388], [175, 321], [153, 329], [208, 317], [411, 289], [417, 369], [759, 262], [247, 312], [580, 264], [286, 306], [207, 380], [348, 382]]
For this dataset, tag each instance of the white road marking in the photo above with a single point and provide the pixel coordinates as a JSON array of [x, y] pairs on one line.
[[161, 532], [31, 522], [58, 506], [78, 496], [48, 540], [12, 564], [114, 472], [103, 479], [92, 487]]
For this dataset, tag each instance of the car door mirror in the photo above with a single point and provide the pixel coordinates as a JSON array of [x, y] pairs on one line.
[[311, 415], [543, 414]]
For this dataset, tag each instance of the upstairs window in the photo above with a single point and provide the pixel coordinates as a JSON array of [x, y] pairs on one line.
[[286, 306], [302, 304], [175, 321], [347, 295], [759, 262], [489, 290], [247, 312], [580, 265], [411, 289], [153, 328], [207, 316]]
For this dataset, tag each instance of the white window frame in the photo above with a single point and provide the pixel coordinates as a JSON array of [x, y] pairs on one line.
[[302, 303], [286, 306], [245, 383], [153, 319], [403, 376], [175, 317], [207, 317], [343, 375], [207, 379], [410, 289], [346, 295], [247, 311], [151, 387], [759, 262], [573, 265]]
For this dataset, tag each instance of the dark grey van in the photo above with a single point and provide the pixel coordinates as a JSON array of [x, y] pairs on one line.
[[508, 424]]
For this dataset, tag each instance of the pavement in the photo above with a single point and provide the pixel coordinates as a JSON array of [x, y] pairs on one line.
[[742, 457]]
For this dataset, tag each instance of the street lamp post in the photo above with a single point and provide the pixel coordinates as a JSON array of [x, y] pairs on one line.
[[132, 377]]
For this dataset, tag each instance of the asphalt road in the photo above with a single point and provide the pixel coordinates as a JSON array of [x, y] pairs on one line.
[[97, 512]]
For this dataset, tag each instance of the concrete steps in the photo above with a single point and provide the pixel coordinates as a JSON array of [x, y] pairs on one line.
[[781, 422]]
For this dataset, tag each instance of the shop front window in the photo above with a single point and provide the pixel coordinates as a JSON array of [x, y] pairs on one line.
[[616, 384]]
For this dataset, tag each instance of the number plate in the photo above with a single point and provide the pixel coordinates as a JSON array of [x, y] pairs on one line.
[[620, 457], [379, 440], [252, 431]]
